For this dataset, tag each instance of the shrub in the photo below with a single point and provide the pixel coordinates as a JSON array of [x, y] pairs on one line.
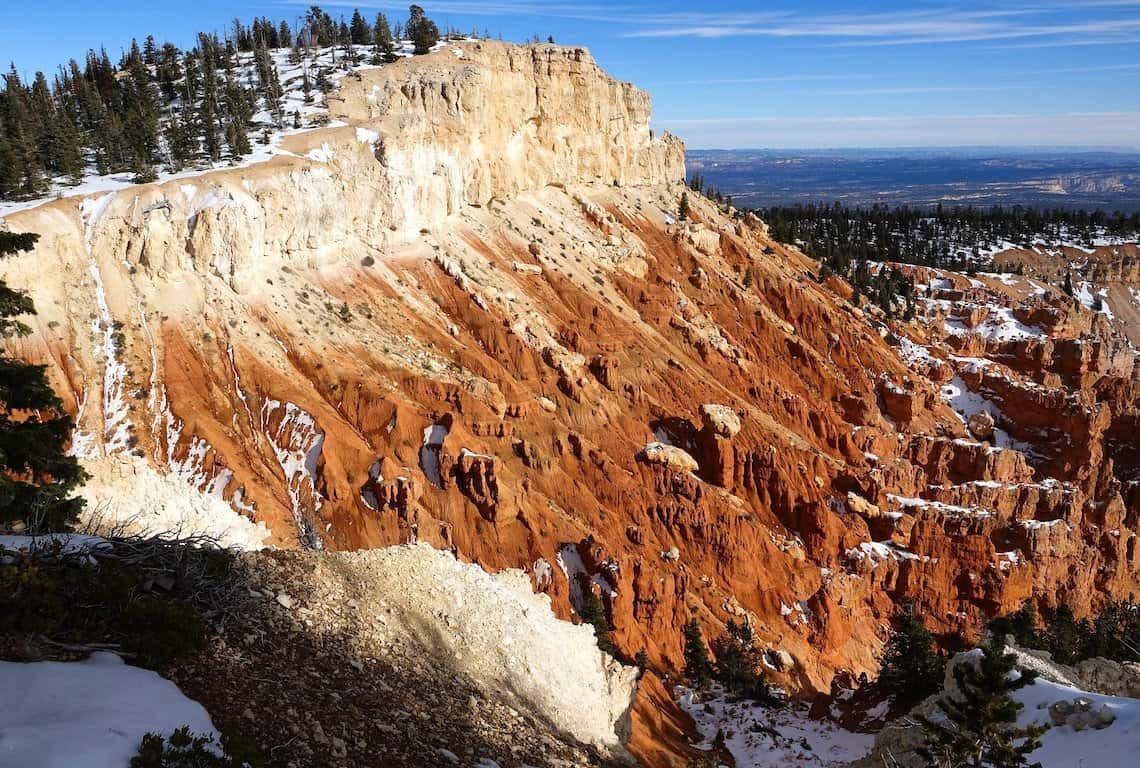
[[160, 630], [108, 602], [183, 749]]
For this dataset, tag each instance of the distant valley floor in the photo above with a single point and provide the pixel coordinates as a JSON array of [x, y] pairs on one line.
[[762, 178]]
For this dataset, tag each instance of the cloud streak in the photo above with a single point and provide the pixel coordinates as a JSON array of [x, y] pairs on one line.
[[791, 120], [1041, 24], [944, 25], [1115, 129]]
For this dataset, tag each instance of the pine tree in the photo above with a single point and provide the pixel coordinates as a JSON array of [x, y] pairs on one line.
[[1067, 287], [683, 207], [909, 669], [422, 30], [168, 71], [737, 660], [980, 721], [140, 119], [1022, 624], [239, 112], [269, 82], [36, 475], [284, 35], [382, 34], [359, 30], [22, 175], [594, 613], [57, 139], [307, 87], [1066, 635], [698, 666], [209, 108], [1115, 633]]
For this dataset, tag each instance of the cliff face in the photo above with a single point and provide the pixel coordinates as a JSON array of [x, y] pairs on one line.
[[467, 316]]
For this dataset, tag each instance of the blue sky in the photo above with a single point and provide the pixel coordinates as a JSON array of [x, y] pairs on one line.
[[745, 74]]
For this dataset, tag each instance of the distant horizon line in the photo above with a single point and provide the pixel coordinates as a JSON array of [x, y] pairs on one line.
[[1022, 148]]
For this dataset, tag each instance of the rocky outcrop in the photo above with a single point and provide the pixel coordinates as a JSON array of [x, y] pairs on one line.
[[669, 456], [439, 656]]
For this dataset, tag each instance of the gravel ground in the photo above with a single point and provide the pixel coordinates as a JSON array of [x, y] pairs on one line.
[[404, 657]]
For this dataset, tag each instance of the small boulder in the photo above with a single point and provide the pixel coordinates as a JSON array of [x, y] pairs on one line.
[[781, 660], [721, 419], [1059, 711], [669, 456], [981, 425], [861, 506]]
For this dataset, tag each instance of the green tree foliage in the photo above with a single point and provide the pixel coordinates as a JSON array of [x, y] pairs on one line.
[[423, 32], [1065, 636], [1067, 286], [183, 749], [21, 174], [384, 48], [738, 662], [1022, 624], [683, 207], [1113, 633], [593, 612], [698, 666], [910, 669], [943, 236], [162, 107], [979, 728], [36, 475], [359, 30]]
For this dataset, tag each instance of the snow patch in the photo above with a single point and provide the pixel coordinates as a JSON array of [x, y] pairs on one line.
[[91, 713], [759, 737]]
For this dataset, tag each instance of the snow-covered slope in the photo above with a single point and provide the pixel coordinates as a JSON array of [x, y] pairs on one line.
[[1062, 746]]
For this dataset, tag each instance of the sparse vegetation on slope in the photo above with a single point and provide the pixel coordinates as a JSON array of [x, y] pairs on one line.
[[161, 108]]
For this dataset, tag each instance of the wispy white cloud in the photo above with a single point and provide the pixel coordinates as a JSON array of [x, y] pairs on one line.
[[933, 76], [1042, 23], [915, 89], [944, 25], [793, 78], [792, 120], [1012, 129], [1067, 43], [492, 8]]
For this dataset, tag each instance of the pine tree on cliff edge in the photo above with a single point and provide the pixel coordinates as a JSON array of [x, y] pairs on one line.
[[422, 30], [36, 475]]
